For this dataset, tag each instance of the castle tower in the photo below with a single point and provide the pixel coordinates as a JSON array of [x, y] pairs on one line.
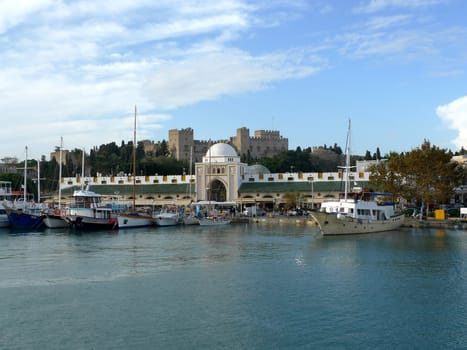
[[241, 141], [181, 143]]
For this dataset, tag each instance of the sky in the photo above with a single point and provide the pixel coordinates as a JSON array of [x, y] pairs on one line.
[[76, 70]]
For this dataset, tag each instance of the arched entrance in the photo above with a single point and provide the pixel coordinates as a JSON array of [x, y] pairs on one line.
[[218, 192]]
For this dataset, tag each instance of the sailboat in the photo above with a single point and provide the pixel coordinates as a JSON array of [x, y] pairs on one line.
[[357, 211], [25, 215], [134, 218], [54, 218]]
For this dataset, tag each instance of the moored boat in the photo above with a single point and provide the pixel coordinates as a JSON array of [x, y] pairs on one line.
[[190, 220], [20, 219], [55, 219], [4, 222], [86, 212], [168, 216], [214, 221], [5, 197], [358, 211], [134, 218], [23, 213], [211, 216]]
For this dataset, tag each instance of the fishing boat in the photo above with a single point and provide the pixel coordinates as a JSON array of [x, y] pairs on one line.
[[86, 212], [169, 216], [358, 211], [54, 218], [133, 218]]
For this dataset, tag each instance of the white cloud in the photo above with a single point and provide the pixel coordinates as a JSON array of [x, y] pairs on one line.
[[13, 13], [383, 22], [72, 69], [454, 114], [403, 43], [379, 5], [211, 75]]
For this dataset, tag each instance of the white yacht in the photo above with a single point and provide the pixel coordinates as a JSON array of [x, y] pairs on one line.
[[358, 211], [168, 216]]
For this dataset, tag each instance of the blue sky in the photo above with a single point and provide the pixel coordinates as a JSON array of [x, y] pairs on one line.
[[76, 69]]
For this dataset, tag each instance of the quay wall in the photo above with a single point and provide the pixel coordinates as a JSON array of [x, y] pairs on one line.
[[453, 224]]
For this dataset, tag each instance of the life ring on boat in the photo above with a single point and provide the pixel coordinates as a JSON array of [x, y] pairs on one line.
[[57, 211]]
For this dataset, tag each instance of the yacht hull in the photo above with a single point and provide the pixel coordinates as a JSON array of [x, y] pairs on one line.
[[331, 224], [134, 220]]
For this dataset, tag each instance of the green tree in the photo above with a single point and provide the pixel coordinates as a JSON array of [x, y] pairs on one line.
[[291, 199], [425, 175]]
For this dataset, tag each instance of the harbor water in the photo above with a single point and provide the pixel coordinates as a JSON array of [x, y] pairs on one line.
[[242, 286]]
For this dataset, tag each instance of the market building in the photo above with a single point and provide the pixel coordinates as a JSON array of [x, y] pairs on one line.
[[221, 176]]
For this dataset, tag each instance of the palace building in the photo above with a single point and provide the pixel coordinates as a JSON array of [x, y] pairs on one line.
[[183, 146]]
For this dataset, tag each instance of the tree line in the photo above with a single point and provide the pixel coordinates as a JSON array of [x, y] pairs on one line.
[[425, 177]]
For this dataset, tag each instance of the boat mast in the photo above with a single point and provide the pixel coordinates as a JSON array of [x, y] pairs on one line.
[[209, 180], [82, 171], [38, 181], [134, 162], [190, 169], [347, 164], [60, 174], [25, 176]]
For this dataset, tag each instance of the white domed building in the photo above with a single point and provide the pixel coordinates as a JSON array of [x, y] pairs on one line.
[[219, 175]]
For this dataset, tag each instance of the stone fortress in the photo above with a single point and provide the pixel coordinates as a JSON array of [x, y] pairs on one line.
[[264, 143]]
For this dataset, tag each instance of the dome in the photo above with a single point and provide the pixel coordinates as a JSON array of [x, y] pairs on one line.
[[221, 150], [221, 153], [257, 169]]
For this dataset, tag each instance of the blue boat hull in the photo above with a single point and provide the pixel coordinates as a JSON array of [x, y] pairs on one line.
[[25, 220]]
